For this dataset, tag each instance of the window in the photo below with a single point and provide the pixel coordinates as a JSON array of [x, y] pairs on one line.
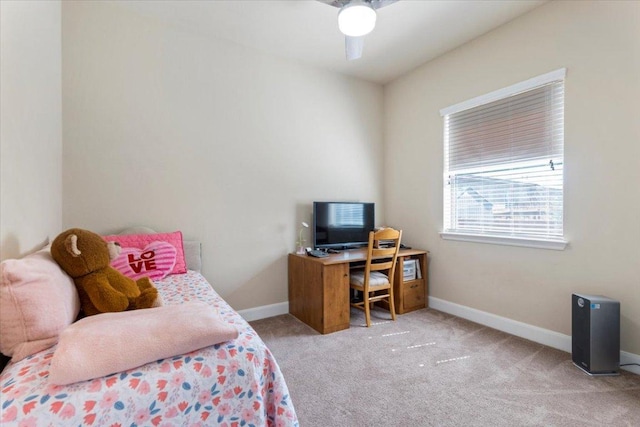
[[503, 165]]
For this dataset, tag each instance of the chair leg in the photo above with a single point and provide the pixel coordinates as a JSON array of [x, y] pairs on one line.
[[367, 310], [392, 305]]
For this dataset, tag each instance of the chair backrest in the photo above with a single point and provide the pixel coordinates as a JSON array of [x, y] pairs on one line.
[[383, 258]]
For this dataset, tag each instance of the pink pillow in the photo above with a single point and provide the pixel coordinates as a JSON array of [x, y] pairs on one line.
[[156, 261], [113, 342], [153, 255], [37, 301]]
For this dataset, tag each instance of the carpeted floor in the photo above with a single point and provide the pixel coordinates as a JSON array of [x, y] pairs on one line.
[[429, 368]]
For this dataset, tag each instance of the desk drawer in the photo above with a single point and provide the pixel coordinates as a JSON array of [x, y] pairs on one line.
[[413, 295]]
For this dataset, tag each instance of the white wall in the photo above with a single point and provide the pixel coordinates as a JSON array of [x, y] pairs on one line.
[[177, 131], [599, 43], [31, 125]]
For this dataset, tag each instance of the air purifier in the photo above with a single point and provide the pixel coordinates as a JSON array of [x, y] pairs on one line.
[[595, 334]]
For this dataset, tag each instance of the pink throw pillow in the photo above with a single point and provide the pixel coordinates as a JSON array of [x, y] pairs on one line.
[[149, 255], [113, 342], [37, 301], [156, 261]]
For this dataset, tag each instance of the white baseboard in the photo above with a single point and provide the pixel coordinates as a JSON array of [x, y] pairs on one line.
[[264, 311], [626, 357], [520, 329]]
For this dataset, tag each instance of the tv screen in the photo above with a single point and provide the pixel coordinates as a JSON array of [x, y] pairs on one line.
[[341, 225]]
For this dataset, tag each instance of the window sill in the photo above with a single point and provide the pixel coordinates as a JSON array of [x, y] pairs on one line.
[[558, 245]]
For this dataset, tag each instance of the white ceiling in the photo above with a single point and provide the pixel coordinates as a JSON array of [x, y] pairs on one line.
[[407, 34]]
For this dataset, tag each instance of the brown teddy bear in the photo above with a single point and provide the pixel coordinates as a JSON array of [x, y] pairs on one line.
[[85, 256]]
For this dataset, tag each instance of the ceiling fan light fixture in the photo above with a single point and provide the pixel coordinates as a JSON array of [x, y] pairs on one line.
[[356, 19]]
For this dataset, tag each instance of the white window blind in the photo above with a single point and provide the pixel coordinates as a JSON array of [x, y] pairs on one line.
[[504, 161]]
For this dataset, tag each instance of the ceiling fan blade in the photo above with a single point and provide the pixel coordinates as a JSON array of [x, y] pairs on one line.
[[335, 3], [353, 47], [376, 4]]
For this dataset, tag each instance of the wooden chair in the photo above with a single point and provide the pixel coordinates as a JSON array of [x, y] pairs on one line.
[[376, 280]]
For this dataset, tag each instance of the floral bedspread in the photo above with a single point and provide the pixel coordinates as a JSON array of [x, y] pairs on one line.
[[236, 383]]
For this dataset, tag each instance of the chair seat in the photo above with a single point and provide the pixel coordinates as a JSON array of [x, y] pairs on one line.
[[376, 278]]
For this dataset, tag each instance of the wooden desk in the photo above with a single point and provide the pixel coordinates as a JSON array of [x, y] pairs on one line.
[[319, 287]]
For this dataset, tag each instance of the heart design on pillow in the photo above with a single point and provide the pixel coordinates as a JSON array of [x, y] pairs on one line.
[[155, 261]]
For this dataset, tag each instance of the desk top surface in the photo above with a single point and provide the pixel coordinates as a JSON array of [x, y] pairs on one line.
[[355, 255]]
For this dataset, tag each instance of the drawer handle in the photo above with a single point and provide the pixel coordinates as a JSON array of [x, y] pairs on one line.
[[413, 286]]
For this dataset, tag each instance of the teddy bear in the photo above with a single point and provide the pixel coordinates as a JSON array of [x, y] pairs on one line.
[[85, 256]]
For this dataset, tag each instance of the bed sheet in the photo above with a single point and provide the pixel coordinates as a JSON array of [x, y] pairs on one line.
[[236, 383]]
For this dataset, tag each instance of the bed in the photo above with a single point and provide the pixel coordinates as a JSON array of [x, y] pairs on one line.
[[232, 383]]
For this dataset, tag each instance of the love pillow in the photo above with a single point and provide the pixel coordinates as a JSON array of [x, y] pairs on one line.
[[152, 255], [156, 261]]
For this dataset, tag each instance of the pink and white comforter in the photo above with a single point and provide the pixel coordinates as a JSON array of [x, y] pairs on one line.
[[236, 383]]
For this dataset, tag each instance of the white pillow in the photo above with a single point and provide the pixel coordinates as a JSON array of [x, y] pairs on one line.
[[376, 278]]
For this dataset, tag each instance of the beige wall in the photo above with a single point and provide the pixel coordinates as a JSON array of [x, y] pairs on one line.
[[599, 43], [30, 125], [178, 131]]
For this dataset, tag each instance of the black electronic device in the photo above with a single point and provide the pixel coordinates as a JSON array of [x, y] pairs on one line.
[[595, 334], [316, 253], [342, 225]]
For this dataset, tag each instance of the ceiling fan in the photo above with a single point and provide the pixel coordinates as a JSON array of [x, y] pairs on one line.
[[356, 19]]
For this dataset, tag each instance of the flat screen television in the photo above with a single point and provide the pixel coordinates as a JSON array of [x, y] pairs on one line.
[[342, 225]]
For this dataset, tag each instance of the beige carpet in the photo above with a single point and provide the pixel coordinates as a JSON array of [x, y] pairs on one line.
[[432, 369]]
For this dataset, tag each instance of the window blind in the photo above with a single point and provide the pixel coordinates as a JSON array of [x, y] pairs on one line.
[[504, 162]]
